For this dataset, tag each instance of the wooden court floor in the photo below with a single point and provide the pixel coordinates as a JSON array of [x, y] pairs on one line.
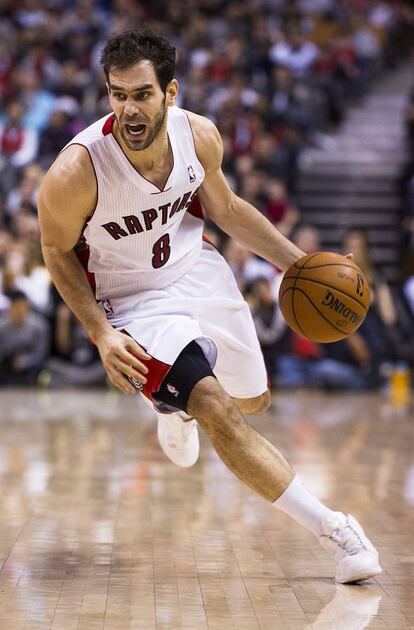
[[98, 530]]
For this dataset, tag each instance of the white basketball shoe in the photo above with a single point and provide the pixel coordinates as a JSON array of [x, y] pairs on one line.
[[178, 438], [356, 557]]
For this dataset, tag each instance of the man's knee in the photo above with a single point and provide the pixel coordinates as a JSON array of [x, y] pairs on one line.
[[214, 409], [190, 367], [255, 406], [209, 399]]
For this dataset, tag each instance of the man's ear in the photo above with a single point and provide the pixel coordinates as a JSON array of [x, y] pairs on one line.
[[172, 91]]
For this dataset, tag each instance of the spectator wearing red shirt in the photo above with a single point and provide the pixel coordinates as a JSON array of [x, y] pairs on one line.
[[278, 207], [18, 145]]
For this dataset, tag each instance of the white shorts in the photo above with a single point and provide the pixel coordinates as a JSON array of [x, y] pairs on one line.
[[206, 305]]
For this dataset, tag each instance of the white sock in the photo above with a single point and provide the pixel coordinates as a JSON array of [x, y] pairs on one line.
[[301, 505]]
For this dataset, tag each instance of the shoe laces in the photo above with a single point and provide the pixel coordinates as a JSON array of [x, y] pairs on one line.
[[348, 539]]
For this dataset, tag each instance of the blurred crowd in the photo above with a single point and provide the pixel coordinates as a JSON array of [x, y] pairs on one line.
[[275, 76]]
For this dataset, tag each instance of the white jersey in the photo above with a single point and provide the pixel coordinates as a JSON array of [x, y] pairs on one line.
[[141, 237]]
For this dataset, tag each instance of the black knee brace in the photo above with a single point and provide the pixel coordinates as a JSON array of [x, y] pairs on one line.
[[190, 367]]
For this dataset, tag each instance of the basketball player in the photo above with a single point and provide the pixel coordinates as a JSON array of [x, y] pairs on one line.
[[122, 207]]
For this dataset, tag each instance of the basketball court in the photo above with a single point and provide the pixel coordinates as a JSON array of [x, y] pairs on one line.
[[100, 530]]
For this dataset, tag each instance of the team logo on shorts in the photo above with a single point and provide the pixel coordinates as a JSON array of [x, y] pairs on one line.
[[173, 390], [137, 384], [191, 174]]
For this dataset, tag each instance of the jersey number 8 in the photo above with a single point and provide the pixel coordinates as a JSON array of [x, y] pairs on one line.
[[161, 251]]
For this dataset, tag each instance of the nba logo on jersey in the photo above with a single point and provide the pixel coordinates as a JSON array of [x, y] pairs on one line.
[[191, 174]]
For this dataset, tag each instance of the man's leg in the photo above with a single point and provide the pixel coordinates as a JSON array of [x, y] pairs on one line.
[[247, 453], [256, 405], [265, 470], [177, 432]]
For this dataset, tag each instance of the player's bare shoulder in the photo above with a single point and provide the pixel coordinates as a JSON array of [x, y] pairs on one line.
[[68, 196], [208, 142], [71, 177]]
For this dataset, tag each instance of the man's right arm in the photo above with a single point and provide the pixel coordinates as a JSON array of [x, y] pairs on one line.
[[66, 200]]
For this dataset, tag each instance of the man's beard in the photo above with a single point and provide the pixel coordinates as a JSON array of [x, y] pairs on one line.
[[151, 133]]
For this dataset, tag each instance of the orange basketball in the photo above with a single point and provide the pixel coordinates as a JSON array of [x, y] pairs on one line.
[[324, 297]]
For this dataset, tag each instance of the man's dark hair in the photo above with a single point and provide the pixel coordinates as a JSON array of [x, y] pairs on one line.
[[131, 47]]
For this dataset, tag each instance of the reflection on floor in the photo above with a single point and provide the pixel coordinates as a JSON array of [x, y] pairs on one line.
[[99, 530]]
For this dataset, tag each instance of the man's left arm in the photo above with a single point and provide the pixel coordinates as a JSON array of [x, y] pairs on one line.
[[238, 218]]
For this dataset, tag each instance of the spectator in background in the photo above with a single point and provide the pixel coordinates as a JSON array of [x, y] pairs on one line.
[[24, 269], [341, 365], [307, 238], [18, 145], [277, 157], [278, 208], [383, 327], [268, 320], [356, 241], [71, 80], [366, 45], [233, 93], [6, 71], [77, 362], [245, 266], [290, 102], [295, 52], [18, 142], [6, 241], [24, 342], [63, 125], [409, 289], [338, 76], [252, 188], [24, 195], [38, 101]]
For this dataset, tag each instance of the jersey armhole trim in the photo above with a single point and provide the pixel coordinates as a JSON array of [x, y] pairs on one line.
[[108, 125], [194, 142]]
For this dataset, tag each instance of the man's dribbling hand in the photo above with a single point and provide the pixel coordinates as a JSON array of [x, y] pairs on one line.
[[122, 356]]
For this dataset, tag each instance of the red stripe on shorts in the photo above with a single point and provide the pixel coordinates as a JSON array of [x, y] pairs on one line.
[[157, 371]]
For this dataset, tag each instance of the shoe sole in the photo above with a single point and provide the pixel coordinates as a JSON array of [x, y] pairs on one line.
[[171, 454], [359, 577]]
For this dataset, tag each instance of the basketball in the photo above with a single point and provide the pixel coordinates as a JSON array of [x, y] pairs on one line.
[[324, 297]]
